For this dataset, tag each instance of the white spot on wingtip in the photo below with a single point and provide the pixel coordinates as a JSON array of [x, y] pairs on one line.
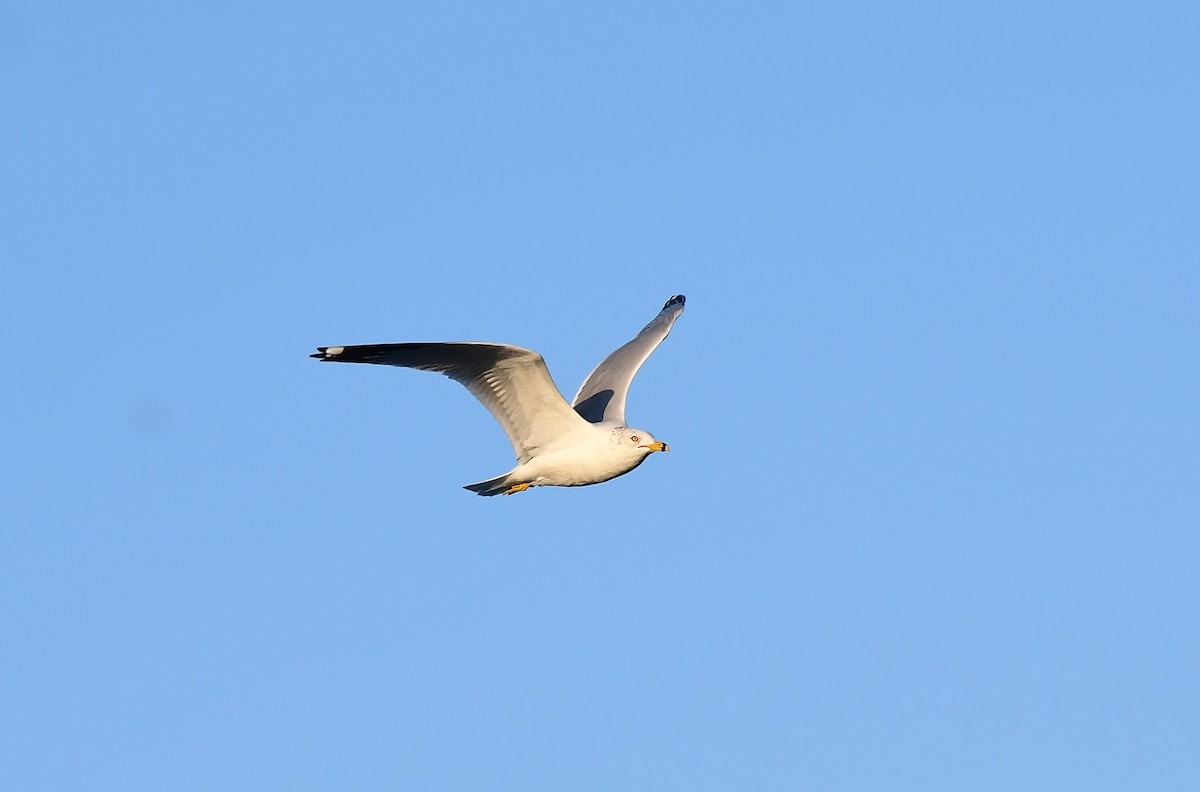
[[334, 351]]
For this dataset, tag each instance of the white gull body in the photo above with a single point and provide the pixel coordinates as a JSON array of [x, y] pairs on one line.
[[556, 444]]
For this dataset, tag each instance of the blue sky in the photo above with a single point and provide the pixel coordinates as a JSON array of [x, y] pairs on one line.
[[930, 516]]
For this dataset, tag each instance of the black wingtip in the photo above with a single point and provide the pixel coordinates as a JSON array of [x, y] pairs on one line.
[[320, 354], [678, 299]]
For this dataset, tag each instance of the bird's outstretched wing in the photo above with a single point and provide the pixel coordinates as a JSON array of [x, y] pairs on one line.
[[512, 382], [602, 395]]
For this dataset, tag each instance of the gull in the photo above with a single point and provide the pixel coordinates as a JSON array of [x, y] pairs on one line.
[[556, 444]]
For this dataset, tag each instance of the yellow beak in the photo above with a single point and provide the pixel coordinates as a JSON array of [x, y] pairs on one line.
[[657, 446]]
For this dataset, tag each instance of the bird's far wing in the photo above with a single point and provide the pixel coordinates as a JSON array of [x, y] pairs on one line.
[[602, 395], [513, 383]]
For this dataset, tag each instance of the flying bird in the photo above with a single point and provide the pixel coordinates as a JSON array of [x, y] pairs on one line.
[[556, 444]]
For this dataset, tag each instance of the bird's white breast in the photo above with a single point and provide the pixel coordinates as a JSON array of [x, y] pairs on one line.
[[591, 456]]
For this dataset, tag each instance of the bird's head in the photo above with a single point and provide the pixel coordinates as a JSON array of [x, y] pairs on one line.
[[640, 441]]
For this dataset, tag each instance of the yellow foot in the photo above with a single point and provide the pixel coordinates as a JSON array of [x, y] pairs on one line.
[[516, 488]]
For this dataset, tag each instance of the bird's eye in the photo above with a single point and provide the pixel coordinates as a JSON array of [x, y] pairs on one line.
[[634, 438]]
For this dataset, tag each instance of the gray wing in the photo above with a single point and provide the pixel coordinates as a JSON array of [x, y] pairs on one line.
[[512, 382], [602, 395]]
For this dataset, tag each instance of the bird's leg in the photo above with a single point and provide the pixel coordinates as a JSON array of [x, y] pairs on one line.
[[516, 488]]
